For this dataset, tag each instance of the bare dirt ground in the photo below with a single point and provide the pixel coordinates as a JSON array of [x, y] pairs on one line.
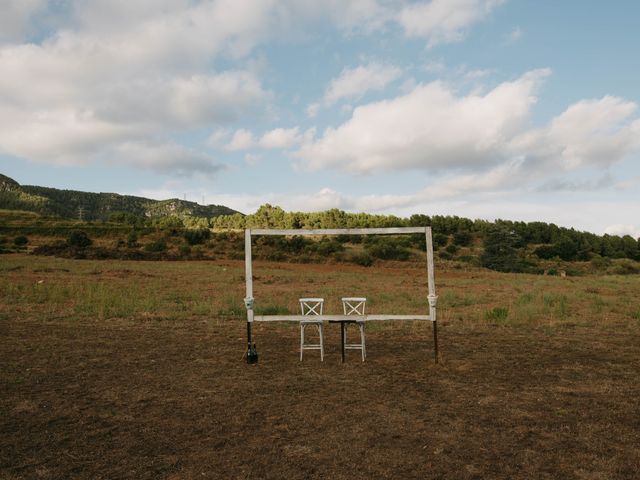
[[172, 398]]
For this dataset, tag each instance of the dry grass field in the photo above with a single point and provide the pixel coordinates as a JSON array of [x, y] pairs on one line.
[[112, 369]]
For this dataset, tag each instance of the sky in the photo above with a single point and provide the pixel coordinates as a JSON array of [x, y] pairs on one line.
[[513, 109]]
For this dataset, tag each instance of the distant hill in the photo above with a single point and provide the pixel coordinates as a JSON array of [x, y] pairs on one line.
[[96, 206]]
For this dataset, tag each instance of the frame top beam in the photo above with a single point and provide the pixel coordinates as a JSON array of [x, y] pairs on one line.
[[339, 231]]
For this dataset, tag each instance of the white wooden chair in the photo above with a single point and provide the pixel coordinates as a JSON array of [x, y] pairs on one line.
[[355, 306], [311, 307]]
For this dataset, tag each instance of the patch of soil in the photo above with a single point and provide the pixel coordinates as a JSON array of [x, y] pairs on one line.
[[138, 400]]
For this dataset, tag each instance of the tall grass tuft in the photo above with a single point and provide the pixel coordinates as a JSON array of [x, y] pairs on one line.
[[497, 314]]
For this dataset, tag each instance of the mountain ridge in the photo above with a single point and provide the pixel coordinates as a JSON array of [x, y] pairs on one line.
[[96, 206]]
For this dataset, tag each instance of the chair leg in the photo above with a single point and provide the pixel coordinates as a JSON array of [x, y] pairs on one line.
[[346, 327], [321, 343], [364, 352], [301, 340]]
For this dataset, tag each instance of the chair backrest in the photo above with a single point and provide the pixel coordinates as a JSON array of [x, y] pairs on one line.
[[311, 306], [354, 305]]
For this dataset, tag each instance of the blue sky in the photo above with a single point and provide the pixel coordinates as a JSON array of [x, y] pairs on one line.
[[480, 108]]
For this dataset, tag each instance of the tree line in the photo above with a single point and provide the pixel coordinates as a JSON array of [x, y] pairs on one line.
[[548, 239]]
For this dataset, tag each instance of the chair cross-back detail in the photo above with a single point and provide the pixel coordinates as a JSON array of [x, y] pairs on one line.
[[355, 306], [311, 307]]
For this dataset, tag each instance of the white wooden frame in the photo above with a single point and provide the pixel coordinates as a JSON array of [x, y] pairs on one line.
[[432, 298]]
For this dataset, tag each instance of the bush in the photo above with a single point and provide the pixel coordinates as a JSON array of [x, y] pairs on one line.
[[440, 240], [20, 241], [78, 238], [362, 258], [295, 244], [443, 254], [327, 246], [626, 267], [197, 237], [452, 249], [156, 246], [388, 248], [185, 250], [600, 263], [545, 252], [132, 239], [462, 238]]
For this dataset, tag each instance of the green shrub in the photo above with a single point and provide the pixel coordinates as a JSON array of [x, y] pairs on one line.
[[462, 238], [361, 258], [388, 248], [156, 246], [452, 249], [626, 267], [600, 263], [545, 251], [443, 254], [440, 240], [132, 239], [78, 238], [197, 237], [275, 256], [185, 250], [295, 244], [20, 241], [326, 246]]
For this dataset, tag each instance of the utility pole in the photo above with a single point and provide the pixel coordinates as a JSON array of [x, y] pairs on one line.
[[80, 212]]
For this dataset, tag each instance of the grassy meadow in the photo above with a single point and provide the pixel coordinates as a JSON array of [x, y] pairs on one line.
[[51, 288]]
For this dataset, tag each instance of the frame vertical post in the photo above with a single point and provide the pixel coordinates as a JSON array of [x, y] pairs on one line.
[[248, 274], [433, 298]]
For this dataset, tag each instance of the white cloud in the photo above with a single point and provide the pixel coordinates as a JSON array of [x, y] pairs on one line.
[[242, 140], [355, 82], [82, 92], [61, 136], [588, 133], [166, 158], [443, 21], [280, 138], [428, 128], [119, 71], [487, 135]]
